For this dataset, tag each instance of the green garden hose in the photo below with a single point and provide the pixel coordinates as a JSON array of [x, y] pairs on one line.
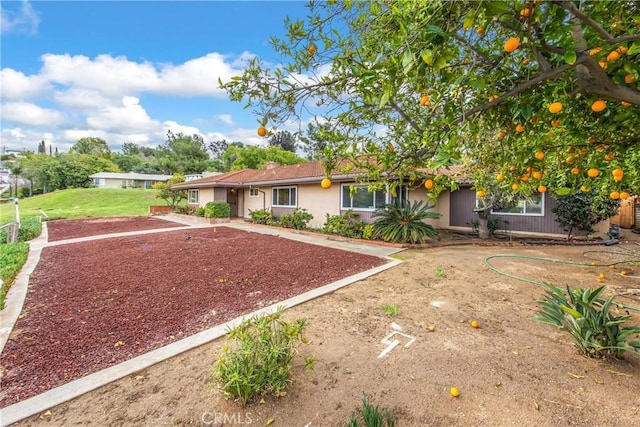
[[555, 261]]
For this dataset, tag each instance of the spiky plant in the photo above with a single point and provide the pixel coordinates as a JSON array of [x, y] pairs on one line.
[[403, 222]]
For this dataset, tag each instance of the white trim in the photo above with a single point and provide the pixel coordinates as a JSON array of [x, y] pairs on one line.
[[251, 191], [274, 200], [193, 200]]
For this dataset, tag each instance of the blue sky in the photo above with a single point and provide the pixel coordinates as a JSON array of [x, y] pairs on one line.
[[129, 71]]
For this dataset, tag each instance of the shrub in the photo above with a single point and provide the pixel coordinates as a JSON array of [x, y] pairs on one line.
[[372, 416], [403, 222], [297, 219], [260, 362], [184, 210], [12, 258], [199, 212], [217, 210], [367, 232], [587, 318], [30, 228], [346, 225], [261, 216], [581, 211]]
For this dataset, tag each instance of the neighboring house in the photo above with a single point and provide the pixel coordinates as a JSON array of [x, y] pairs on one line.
[[281, 189], [126, 180]]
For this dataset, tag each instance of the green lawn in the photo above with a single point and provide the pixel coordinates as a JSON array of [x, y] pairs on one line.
[[84, 202]]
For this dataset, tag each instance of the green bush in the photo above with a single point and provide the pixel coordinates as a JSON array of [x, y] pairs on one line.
[[261, 216], [297, 219], [199, 212], [30, 228], [260, 361], [217, 210], [346, 225], [581, 211], [12, 258], [367, 232], [588, 319], [403, 222], [372, 416]]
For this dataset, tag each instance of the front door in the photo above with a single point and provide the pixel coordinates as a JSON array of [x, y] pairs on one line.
[[232, 199]]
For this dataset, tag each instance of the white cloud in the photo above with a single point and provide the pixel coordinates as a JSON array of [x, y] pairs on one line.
[[77, 99], [226, 119], [30, 114], [14, 85], [174, 127], [25, 20], [128, 118]]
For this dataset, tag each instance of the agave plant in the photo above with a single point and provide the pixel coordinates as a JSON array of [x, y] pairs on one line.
[[403, 222], [589, 320]]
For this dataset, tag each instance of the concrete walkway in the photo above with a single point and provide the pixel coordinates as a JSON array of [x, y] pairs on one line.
[[73, 389]]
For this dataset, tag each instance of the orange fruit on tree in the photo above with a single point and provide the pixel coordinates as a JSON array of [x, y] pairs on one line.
[[592, 139], [502, 134], [262, 131], [535, 120], [593, 172], [624, 195], [392, 149], [428, 184], [614, 195], [525, 12], [493, 98], [575, 171], [525, 177], [511, 44], [584, 189], [555, 123], [622, 50], [480, 31], [542, 189], [512, 168], [609, 156], [515, 186], [540, 155], [628, 79], [525, 61], [595, 51], [500, 177], [424, 100], [529, 169], [325, 183], [312, 49], [537, 175], [598, 105], [626, 104], [613, 55], [569, 160], [520, 128], [603, 64], [480, 194], [618, 174], [555, 107]]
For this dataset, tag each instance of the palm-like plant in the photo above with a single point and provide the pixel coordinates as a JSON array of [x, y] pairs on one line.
[[403, 222]]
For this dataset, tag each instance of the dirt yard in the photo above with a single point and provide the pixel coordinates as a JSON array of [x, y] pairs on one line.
[[509, 371]]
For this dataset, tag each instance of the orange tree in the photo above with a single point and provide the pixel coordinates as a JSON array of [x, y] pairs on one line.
[[535, 95]]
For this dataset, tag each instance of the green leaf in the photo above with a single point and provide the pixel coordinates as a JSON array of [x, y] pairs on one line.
[[496, 7], [634, 49], [427, 56], [478, 84], [563, 191], [469, 20], [570, 56], [385, 98], [434, 29]]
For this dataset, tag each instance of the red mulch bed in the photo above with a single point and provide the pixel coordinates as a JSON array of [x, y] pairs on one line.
[[91, 305], [64, 229]]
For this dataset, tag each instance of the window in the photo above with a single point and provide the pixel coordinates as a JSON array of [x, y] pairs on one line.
[[284, 197], [361, 199], [194, 196], [253, 192], [533, 205]]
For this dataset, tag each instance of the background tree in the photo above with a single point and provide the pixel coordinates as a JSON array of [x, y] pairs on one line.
[[183, 154], [91, 146], [581, 212], [283, 139], [253, 157], [172, 196], [317, 138], [523, 86]]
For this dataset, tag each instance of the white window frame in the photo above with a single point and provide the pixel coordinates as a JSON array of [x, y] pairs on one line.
[[524, 208], [274, 197], [355, 209], [254, 192], [193, 197]]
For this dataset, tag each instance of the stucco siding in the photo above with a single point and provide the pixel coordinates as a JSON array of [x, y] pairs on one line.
[[319, 202], [441, 205], [205, 196]]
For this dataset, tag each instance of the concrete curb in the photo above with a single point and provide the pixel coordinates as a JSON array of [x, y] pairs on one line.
[[18, 291], [73, 389]]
